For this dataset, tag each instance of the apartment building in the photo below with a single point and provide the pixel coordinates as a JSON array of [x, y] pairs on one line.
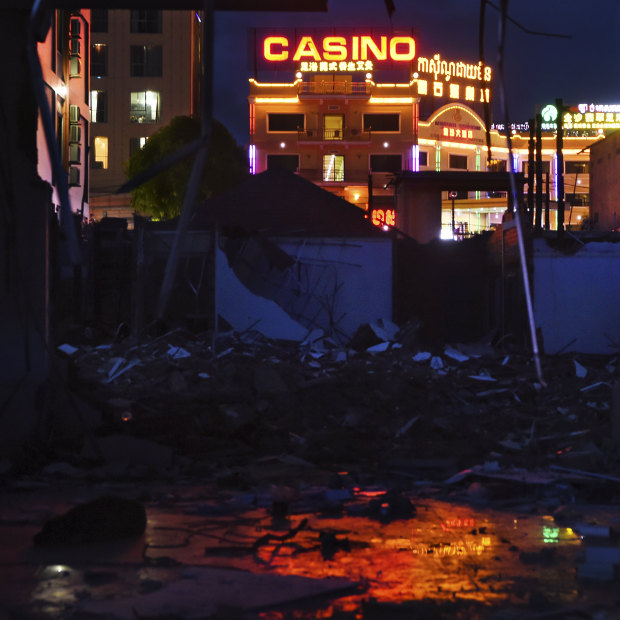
[[145, 70], [64, 59]]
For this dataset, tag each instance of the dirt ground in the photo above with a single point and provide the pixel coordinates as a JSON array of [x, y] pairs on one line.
[[313, 431]]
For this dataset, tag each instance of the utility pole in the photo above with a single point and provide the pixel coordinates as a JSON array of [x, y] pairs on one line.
[[539, 172], [530, 171], [560, 167]]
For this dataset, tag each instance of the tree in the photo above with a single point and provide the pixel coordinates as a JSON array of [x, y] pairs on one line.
[[162, 196]]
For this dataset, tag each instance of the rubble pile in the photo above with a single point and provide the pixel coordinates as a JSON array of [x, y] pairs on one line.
[[382, 408]]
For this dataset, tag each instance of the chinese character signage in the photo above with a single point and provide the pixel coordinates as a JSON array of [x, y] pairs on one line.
[[583, 117], [592, 116]]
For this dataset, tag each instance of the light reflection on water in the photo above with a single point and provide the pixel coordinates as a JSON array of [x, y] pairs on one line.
[[444, 553]]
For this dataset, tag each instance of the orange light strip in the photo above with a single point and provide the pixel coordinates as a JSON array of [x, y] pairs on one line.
[[273, 84], [276, 100], [391, 100]]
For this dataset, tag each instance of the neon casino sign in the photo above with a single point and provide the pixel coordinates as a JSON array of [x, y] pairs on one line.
[[319, 52]]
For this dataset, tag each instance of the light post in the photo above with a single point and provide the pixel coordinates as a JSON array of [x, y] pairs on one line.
[[453, 197]]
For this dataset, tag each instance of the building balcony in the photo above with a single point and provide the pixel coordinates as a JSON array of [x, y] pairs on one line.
[[380, 180], [355, 89], [331, 135]]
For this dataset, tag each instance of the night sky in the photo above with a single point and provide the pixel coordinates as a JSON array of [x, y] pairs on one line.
[[579, 69]]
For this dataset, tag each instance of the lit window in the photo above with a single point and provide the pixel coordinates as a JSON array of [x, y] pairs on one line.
[[101, 152], [333, 167], [98, 106], [135, 144], [145, 106]]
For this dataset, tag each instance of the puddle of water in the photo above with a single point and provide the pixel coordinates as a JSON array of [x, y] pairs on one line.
[[444, 554]]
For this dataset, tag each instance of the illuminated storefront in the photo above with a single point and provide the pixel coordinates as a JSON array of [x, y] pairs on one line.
[[341, 124]]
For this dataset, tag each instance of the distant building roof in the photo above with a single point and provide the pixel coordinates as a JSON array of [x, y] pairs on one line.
[[279, 202]]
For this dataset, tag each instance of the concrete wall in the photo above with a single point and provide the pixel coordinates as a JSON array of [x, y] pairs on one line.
[[577, 298], [335, 285], [605, 183]]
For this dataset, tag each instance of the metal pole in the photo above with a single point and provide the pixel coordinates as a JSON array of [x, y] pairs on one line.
[[539, 173], [530, 170], [560, 167]]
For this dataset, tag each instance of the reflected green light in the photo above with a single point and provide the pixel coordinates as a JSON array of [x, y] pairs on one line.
[[550, 534]]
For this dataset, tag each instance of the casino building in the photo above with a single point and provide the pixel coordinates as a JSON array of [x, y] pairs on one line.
[[340, 123]]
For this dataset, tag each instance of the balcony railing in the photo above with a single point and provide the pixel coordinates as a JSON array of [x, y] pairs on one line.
[[357, 177], [334, 88], [327, 135]]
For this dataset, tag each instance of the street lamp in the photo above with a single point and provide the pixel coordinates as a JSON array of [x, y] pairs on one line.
[[453, 197]]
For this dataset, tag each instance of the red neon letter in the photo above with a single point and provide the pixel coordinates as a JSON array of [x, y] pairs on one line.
[[400, 56], [269, 55], [335, 48], [307, 47]]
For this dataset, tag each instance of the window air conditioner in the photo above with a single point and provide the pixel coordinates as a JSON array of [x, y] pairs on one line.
[[75, 133], [74, 66], [74, 153], [74, 176]]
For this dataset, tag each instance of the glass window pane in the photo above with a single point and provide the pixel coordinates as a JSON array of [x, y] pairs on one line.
[[99, 60], [144, 106], [145, 20], [146, 61], [458, 161], [99, 20], [98, 106], [333, 167], [101, 152], [382, 122], [135, 144], [285, 122]]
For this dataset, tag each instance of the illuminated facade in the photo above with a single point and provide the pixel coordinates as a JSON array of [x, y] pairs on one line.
[[605, 167], [64, 58], [340, 127], [144, 72]]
